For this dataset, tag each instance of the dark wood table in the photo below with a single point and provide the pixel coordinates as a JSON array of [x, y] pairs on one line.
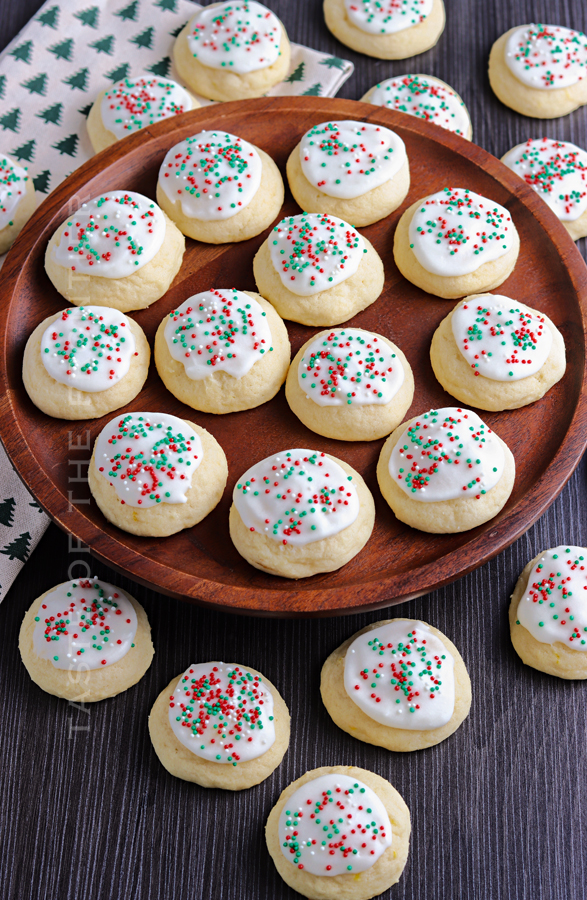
[[498, 810]]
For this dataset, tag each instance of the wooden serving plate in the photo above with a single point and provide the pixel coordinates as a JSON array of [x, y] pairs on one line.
[[201, 564]]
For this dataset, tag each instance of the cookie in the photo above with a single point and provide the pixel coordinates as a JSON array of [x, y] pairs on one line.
[[153, 474], [222, 351], [392, 29], [85, 640], [495, 353], [232, 51], [426, 98], [399, 684], [318, 270], [350, 384], [355, 860], [17, 200], [329, 516], [455, 243], [231, 191], [85, 362], [540, 70], [354, 170], [117, 250], [220, 725], [445, 471]]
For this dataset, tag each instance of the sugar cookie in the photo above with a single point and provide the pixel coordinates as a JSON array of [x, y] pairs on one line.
[[390, 29], [426, 98], [17, 200]]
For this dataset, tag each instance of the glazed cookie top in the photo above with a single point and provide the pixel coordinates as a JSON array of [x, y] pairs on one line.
[[13, 179], [297, 497], [222, 713], [89, 348], [499, 339], [113, 235], [350, 367], [314, 252], [455, 231], [402, 676], [237, 37], [346, 159], [425, 97], [554, 605], [557, 170], [547, 57], [386, 16], [148, 458], [213, 174], [334, 825], [84, 624], [134, 103], [447, 454]]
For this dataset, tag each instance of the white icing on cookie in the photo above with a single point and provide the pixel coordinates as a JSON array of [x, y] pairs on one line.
[[557, 170], [455, 231], [447, 454], [296, 497], [554, 605], [334, 825], [13, 179], [236, 37], [148, 458], [89, 348], [499, 339], [222, 713], [134, 103], [218, 330], [547, 57], [84, 624], [350, 367], [213, 174], [427, 98], [402, 676], [387, 16], [347, 159]]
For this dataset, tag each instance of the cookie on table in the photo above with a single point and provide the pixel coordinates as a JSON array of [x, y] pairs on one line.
[[300, 512], [153, 474], [354, 170], [86, 640], [350, 384], [445, 471], [17, 200], [318, 270], [391, 29], [232, 51], [339, 833], [456, 242], [85, 362], [218, 188], [118, 250], [425, 97], [399, 684], [220, 725], [222, 351], [495, 353], [540, 70]]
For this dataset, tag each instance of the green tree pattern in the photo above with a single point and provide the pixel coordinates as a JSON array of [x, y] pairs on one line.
[[161, 68], [23, 52], [77, 81], [7, 512], [10, 120], [50, 17], [297, 74], [85, 110], [2, 85], [67, 145], [52, 114], [145, 38], [314, 91], [89, 16], [128, 12], [26, 151], [41, 181], [118, 73], [62, 50], [18, 548], [170, 5], [334, 62], [36, 85], [104, 45], [176, 31]]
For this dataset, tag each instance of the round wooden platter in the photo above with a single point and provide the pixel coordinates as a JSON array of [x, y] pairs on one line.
[[201, 564]]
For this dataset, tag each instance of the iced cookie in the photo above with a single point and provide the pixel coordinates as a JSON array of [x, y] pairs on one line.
[[548, 613], [354, 170], [386, 29], [339, 833], [85, 362], [300, 512], [495, 353], [445, 471], [132, 104], [557, 171], [85, 640], [153, 474], [318, 270], [540, 70], [350, 384], [218, 188], [456, 242], [17, 201], [220, 725], [232, 51], [117, 250], [222, 351], [426, 98]]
